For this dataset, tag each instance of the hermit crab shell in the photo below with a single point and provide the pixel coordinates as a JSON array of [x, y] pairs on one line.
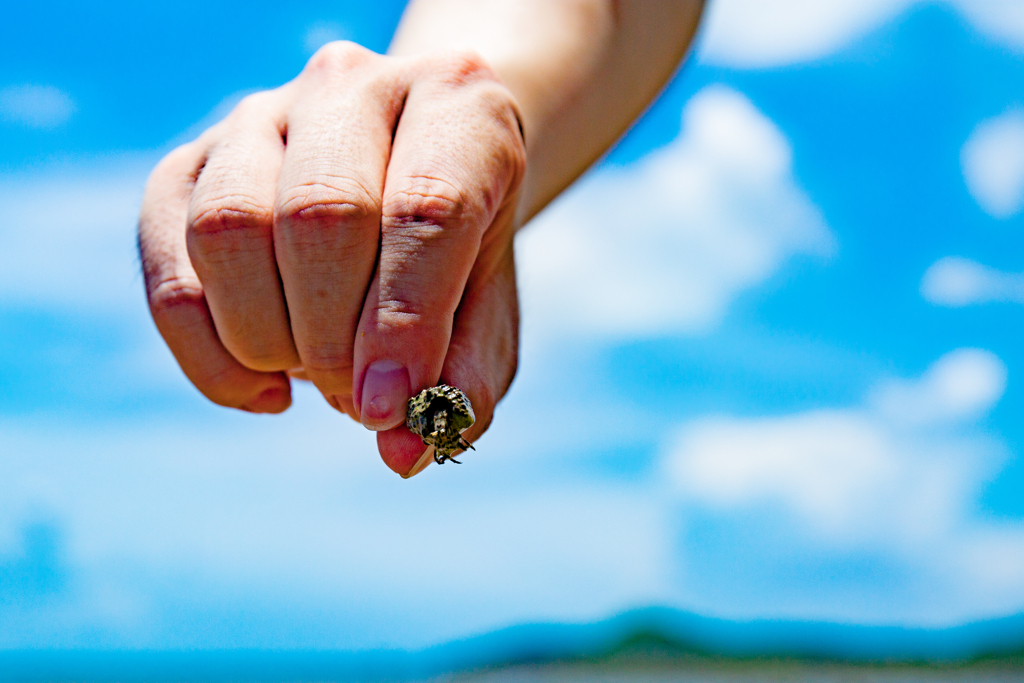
[[439, 415]]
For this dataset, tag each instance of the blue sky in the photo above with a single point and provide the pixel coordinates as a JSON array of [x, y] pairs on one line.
[[770, 366]]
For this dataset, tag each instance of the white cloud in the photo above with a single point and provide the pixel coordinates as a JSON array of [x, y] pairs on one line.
[[763, 33], [955, 281], [897, 474], [667, 243], [961, 385], [179, 518], [69, 236], [993, 557], [35, 106], [320, 33], [769, 33], [871, 468], [821, 464], [892, 468], [1000, 20], [992, 160]]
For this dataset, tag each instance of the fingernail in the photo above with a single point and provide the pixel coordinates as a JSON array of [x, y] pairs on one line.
[[272, 400], [421, 464], [385, 395]]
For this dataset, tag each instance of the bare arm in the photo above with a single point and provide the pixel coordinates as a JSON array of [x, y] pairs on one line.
[[581, 70], [354, 226]]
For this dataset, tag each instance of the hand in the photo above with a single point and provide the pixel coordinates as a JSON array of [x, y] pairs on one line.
[[353, 227]]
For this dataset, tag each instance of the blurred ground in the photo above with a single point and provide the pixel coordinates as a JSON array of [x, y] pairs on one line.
[[699, 670]]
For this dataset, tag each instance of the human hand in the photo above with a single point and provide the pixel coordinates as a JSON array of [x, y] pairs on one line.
[[353, 227]]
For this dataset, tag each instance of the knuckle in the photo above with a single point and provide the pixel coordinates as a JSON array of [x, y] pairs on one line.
[[339, 55], [253, 104], [228, 212], [209, 138], [343, 201], [180, 162], [174, 293], [497, 104], [401, 312], [182, 155], [461, 67], [425, 199], [412, 311], [331, 359]]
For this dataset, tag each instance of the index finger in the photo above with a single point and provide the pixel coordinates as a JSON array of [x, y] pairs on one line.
[[456, 163]]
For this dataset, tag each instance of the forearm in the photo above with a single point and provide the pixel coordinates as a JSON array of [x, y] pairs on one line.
[[581, 70]]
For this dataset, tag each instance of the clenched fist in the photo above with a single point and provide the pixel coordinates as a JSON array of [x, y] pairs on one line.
[[352, 227]]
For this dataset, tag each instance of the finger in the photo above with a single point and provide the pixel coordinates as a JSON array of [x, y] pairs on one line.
[[230, 235], [456, 163], [328, 207], [481, 360], [176, 298]]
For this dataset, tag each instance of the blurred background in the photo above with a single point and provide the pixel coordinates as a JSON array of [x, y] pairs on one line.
[[771, 364]]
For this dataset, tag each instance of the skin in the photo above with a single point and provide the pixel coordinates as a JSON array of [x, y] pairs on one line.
[[354, 227]]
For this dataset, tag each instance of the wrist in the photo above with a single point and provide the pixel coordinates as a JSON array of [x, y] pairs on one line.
[[543, 51]]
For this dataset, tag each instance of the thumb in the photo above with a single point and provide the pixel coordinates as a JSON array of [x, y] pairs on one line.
[[481, 361]]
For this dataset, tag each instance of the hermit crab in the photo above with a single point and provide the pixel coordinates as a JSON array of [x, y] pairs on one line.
[[439, 415]]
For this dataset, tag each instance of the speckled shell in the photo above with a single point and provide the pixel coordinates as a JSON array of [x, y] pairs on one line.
[[459, 413]]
